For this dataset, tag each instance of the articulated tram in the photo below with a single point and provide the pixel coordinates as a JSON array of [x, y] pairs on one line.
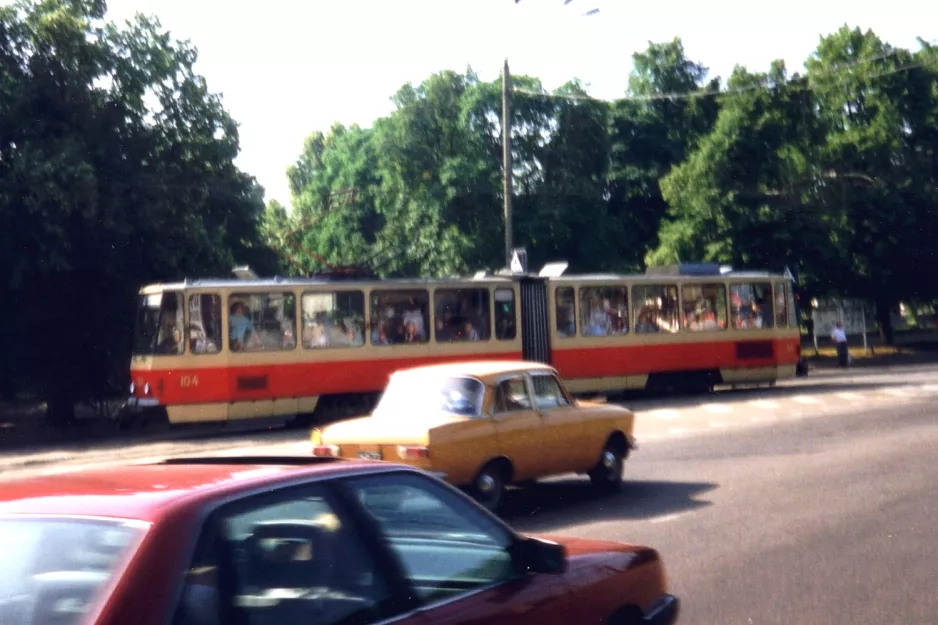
[[324, 347]]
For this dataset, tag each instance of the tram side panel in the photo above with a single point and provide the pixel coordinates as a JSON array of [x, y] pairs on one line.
[[309, 376], [631, 355]]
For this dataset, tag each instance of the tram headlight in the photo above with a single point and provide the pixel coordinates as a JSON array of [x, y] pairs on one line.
[[146, 388], [133, 387]]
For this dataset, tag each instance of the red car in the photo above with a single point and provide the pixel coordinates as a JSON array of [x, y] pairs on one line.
[[257, 541]]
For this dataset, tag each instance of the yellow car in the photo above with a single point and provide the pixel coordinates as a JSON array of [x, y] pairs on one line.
[[484, 425]]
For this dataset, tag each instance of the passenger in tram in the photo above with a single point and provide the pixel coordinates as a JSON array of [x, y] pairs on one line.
[[756, 316], [691, 321], [566, 318], [379, 336], [172, 342], [598, 322], [288, 340], [410, 333], [505, 328], [241, 328], [469, 333], [645, 321], [353, 332], [413, 314], [709, 321], [443, 333]]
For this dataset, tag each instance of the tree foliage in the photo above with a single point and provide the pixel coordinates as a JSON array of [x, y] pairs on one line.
[[830, 171], [116, 169]]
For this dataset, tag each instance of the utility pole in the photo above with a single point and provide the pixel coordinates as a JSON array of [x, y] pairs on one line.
[[506, 159]]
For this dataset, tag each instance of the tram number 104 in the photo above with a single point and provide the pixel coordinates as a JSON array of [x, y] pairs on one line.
[[188, 381]]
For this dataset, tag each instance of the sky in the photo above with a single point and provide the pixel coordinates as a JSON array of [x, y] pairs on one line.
[[286, 68]]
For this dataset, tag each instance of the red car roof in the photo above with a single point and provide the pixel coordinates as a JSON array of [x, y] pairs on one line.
[[146, 492]]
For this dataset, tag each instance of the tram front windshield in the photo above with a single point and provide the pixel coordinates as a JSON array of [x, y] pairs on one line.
[[159, 325]]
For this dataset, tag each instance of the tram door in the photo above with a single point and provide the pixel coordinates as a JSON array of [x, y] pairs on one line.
[[535, 325]]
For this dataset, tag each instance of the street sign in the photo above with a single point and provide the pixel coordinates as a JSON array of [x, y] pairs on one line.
[[519, 260]]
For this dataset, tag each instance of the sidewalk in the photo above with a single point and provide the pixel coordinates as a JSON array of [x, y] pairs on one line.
[[910, 353]]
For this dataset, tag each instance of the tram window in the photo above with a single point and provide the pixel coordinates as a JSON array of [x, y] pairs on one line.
[[656, 308], [261, 321], [461, 315], [781, 307], [399, 316], [604, 310], [159, 325], [566, 311], [204, 323], [704, 307], [751, 305], [333, 319], [505, 317]]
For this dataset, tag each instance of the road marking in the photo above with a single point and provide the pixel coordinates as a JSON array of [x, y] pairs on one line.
[[669, 517], [850, 395], [805, 399], [719, 424], [763, 419], [717, 408], [682, 430], [665, 413], [929, 388], [898, 392], [764, 403]]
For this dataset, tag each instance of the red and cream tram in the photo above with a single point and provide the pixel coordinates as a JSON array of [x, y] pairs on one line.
[[224, 350]]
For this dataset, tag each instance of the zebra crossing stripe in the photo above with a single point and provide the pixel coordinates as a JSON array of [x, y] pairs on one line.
[[850, 395], [805, 399], [665, 413], [764, 403]]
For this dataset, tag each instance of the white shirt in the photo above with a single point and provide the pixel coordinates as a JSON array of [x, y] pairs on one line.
[[415, 317], [839, 335]]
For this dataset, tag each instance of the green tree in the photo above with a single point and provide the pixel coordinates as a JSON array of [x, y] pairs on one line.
[[653, 130], [116, 168], [744, 195], [878, 107]]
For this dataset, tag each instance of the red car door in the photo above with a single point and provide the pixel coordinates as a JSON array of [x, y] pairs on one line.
[[536, 600]]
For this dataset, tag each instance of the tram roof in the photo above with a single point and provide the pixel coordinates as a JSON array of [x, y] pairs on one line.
[[266, 283]]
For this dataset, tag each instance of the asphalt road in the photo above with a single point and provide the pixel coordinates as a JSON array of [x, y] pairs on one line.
[[822, 394], [817, 521], [812, 503]]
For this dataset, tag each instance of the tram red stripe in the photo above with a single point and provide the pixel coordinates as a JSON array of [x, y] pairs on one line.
[[358, 375], [263, 382], [606, 361]]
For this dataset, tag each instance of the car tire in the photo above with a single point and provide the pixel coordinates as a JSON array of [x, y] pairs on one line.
[[606, 476], [488, 488]]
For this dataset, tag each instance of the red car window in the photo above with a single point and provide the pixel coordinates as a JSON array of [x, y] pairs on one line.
[[293, 557], [53, 570]]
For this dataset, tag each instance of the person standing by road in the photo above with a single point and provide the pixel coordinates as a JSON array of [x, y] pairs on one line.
[[839, 337]]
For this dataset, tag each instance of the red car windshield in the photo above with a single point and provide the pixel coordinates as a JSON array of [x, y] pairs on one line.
[[52, 570]]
